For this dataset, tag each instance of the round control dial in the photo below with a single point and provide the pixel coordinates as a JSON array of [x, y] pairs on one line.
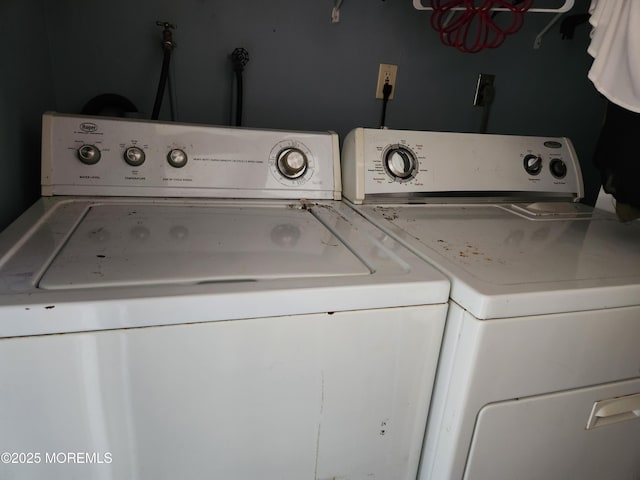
[[533, 164], [134, 156], [400, 163], [292, 162], [558, 168], [177, 158], [88, 154]]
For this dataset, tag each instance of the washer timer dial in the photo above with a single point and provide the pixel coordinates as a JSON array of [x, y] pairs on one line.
[[291, 163], [400, 163]]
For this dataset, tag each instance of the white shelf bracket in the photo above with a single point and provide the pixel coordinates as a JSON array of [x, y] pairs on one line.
[[538, 41], [568, 5], [335, 12]]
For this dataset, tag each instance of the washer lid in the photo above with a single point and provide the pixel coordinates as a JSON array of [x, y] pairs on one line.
[[80, 264], [504, 264], [116, 245]]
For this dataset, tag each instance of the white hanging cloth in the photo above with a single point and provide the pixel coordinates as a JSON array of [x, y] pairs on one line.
[[615, 47]]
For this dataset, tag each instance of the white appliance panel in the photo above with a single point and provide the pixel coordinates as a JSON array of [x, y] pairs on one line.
[[315, 396], [485, 362], [453, 162], [505, 430], [266, 336], [544, 306], [220, 161], [145, 244], [367, 268], [503, 264]]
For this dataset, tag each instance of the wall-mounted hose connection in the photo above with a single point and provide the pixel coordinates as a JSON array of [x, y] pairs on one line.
[[239, 57], [167, 46]]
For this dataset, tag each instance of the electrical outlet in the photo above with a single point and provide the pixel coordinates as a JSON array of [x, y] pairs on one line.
[[481, 98], [386, 74]]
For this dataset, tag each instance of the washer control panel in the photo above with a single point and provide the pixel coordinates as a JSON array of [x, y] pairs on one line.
[[115, 156], [399, 162]]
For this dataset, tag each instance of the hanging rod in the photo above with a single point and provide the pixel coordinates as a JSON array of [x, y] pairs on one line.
[[568, 5]]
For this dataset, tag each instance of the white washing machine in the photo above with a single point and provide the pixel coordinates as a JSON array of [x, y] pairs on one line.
[[151, 331], [539, 375]]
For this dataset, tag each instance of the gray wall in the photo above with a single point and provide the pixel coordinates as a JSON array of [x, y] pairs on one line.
[[25, 91], [306, 73]]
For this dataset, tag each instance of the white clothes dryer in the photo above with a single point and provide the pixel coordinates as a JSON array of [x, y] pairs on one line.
[[194, 302], [539, 375]]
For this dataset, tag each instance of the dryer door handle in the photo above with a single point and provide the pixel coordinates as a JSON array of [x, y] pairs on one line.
[[614, 410]]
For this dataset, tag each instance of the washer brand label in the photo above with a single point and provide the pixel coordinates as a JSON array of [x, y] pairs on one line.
[[88, 127]]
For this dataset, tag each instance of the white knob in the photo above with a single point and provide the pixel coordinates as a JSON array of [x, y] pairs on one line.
[[400, 163], [292, 163], [89, 154], [177, 158], [532, 164], [134, 156]]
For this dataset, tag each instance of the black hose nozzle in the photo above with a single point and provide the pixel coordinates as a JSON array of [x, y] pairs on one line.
[[239, 57]]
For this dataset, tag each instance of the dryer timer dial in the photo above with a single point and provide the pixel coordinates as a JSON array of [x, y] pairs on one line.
[[532, 164], [400, 163]]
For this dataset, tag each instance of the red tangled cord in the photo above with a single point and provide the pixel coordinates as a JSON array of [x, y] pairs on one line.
[[475, 21]]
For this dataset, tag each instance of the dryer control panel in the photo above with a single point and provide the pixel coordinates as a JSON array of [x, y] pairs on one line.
[[127, 157], [400, 163]]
